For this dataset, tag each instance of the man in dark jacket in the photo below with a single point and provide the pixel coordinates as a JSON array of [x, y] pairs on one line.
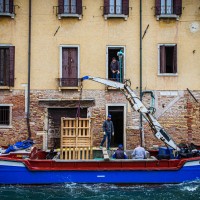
[[119, 153], [108, 129], [114, 67]]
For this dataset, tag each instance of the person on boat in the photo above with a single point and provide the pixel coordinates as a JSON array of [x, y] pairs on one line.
[[108, 129], [119, 153], [139, 153]]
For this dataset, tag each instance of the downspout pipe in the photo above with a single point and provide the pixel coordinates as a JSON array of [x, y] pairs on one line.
[[29, 70], [152, 106], [141, 125]]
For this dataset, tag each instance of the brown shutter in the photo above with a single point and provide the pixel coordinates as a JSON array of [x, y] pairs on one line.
[[162, 59], [106, 7], [175, 59], [177, 7], [60, 6], [125, 7], [12, 66], [6, 66], [11, 6], [79, 8], [157, 7]]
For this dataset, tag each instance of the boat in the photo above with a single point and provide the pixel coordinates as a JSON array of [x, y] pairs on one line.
[[168, 165], [18, 168]]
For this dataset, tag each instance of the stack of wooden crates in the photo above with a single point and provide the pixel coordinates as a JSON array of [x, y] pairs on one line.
[[76, 139]]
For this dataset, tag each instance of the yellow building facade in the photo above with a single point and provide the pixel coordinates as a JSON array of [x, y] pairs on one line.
[[70, 39]]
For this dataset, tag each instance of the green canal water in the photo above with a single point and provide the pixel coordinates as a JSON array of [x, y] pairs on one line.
[[184, 191]]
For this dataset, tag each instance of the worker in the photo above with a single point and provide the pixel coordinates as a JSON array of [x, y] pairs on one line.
[[139, 153], [108, 129], [119, 153], [114, 67]]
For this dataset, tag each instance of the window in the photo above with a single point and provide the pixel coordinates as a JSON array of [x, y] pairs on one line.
[[116, 8], [69, 8], [7, 56], [118, 66], [6, 6], [5, 116], [69, 67], [168, 8], [167, 59]]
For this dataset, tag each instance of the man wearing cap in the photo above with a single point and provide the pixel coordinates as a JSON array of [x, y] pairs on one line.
[[108, 129], [119, 153]]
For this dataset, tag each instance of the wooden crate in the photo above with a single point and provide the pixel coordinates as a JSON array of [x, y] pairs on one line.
[[76, 138]]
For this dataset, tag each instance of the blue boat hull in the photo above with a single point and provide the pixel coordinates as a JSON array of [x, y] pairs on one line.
[[18, 173]]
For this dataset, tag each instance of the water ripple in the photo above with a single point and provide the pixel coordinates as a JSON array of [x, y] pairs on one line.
[[73, 191]]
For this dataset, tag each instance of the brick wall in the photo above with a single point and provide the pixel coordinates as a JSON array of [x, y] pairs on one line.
[[180, 118]]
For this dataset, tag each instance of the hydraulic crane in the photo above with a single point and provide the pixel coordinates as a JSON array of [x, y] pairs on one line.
[[138, 106]]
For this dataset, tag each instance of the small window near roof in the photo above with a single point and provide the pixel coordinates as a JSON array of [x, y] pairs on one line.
[[167, 59]]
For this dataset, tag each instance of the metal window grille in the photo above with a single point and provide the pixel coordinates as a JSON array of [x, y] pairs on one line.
[[4, 115]]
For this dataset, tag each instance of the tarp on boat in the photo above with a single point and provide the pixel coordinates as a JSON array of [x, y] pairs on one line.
[[19, 145]]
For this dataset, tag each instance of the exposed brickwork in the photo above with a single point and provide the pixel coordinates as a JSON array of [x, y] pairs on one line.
[[181, 120]]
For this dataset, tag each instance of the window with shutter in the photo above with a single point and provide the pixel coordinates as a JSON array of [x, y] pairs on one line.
[[7, 60], [167, 59], [69, 8], [116, 8], [69, 67], [168, 8], [6, 8]]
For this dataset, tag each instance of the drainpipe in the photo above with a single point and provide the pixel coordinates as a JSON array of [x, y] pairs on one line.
[[141, 125], [29, 71], [152, 106]]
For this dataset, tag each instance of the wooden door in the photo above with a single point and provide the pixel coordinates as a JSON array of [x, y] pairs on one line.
[[69, 66]]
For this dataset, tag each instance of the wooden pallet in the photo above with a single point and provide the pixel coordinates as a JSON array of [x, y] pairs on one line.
[[76, 138]]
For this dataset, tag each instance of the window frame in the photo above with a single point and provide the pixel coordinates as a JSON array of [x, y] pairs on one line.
[[62, 14], [124, 13], [166, 74], [9, 86], [78, 62], [107, 59], [10, 12], [176, 10], [10, 116]]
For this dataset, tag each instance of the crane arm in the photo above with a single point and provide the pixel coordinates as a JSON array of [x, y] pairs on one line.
[[138, 106]]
